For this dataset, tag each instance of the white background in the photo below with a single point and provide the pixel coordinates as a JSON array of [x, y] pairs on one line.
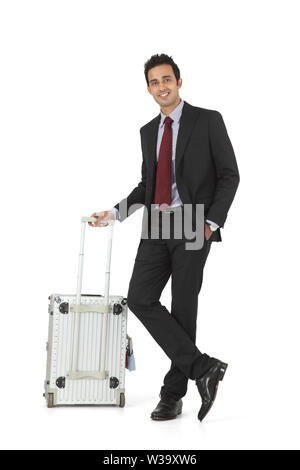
[[73, 97]]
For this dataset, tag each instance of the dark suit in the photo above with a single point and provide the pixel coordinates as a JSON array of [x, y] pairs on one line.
[[205, 165], [206, 173]]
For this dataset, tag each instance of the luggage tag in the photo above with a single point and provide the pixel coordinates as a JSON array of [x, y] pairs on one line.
[[130, 360]]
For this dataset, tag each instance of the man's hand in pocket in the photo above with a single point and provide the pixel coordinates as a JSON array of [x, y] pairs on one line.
[[208, 232]]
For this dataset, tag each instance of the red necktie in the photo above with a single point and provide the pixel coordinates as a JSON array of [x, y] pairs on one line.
[[163, 187]]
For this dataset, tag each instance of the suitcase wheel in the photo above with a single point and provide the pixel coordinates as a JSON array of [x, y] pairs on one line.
[[50, 397], [122, 400]]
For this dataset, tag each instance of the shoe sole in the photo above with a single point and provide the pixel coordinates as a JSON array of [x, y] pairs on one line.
[[165, 419], [221, 376]]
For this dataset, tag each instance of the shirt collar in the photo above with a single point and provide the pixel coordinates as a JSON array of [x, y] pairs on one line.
[[175, 114]]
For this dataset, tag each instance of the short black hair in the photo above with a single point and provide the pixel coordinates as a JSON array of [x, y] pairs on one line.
[[159, 59]]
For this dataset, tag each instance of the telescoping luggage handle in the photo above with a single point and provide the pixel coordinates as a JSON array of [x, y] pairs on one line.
[[102, 308], [84, 220]]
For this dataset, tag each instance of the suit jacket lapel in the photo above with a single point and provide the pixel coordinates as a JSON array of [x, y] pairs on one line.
[[186, 125], [151, 145]]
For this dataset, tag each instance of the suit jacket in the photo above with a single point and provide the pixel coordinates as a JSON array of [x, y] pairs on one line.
[[205, 165]]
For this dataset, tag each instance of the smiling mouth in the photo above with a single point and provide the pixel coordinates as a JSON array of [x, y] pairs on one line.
[[164, 95]]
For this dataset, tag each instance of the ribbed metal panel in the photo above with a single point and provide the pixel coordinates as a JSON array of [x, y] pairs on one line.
[[86, 391]]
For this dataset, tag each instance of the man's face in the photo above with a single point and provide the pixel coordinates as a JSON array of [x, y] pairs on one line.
[[161, 81]]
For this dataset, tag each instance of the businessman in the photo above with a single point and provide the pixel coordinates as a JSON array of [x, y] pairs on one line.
[[187, 160]]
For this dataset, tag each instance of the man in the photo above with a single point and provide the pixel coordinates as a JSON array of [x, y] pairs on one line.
[[188, 160]]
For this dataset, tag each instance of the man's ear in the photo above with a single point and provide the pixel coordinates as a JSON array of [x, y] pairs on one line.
[[179, 83]]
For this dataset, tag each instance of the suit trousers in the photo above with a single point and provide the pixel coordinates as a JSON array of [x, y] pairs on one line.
[[174, 331]]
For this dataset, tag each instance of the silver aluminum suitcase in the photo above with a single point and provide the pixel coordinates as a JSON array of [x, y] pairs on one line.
[[88, 347]]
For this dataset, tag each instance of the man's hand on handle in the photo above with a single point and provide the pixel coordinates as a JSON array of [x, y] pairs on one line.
[[102, 218]]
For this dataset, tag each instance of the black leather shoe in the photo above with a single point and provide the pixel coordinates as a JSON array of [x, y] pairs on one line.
[[208, 386], [167, 408]]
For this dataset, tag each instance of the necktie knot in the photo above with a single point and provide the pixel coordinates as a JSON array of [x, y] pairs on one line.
[[168, 121]]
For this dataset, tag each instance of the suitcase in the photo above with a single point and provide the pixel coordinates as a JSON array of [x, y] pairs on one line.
[[88, 347]]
